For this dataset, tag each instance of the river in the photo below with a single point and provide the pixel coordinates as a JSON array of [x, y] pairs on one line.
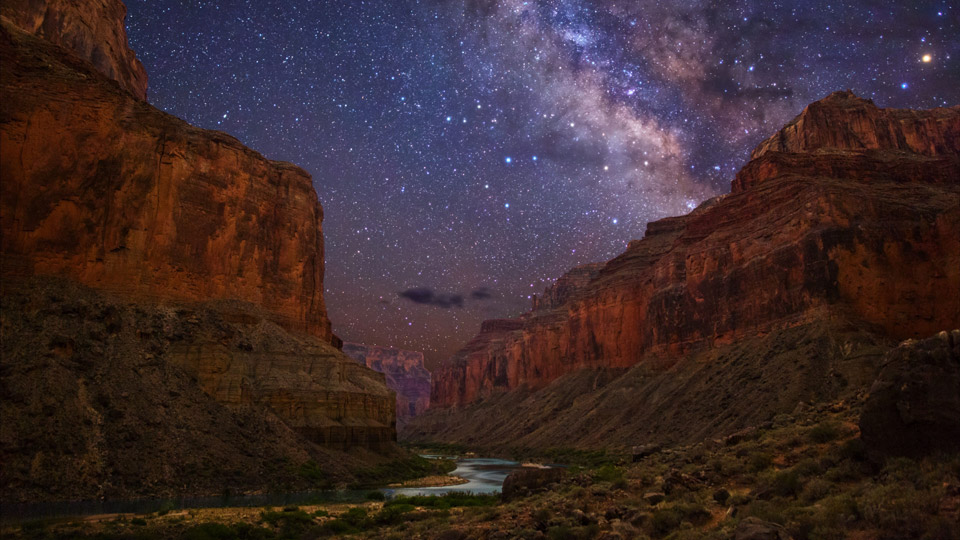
[[484, 475]]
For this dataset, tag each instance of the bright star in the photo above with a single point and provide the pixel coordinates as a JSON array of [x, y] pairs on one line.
[[506, 205], [509, 159], [903, 85], [927, 58], [534, 158]]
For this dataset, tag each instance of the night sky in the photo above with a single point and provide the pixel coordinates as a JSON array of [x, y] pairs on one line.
[[468, 152]]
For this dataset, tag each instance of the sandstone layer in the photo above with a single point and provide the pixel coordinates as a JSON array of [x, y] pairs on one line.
[[120, 196], [850, 215], [404, 372], [93, 29]]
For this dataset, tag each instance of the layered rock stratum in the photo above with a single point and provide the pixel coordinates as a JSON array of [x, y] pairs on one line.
[[405, 373], [164, 327], [839, 238]]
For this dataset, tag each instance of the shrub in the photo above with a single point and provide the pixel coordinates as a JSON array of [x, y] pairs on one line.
[[815, 490], [786, 483], [210, 531], [392, 515], [608, 473], [721, 496], [761, 461], [824, 432], [376, 496], [573, 533], [898, 509]]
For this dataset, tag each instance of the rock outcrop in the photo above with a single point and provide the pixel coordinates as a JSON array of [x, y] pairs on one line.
[[92, 29], [819, 226], [405, 375], [914, 405]]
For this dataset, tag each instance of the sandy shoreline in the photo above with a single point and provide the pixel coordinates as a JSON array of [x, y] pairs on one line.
[[431, 481]]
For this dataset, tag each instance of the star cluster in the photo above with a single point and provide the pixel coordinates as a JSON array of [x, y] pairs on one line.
[[468, 152]]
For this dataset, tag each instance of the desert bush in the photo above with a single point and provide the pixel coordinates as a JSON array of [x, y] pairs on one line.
[[815, 490], [899, 510], [824, 432], [608, 473], [761, 461]]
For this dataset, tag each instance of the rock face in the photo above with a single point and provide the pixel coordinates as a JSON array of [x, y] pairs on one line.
[[192, 280], [137, 202], [404, 372], [828, 222], [914, 406], [92, 29]]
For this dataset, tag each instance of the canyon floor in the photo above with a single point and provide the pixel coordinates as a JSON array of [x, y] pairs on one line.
[[805, 475]]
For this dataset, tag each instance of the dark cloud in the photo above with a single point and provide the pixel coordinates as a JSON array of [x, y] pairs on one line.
[[481, 293], [427, 296]]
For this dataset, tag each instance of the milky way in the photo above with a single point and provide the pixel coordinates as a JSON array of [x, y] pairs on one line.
[[467, 153]]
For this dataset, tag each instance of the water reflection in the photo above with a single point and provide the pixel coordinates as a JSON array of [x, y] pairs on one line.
[[485, 475]]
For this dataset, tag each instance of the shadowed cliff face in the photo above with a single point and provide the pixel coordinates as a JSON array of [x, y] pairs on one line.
[[404, 372], [120, 196], [835, 217], [91, 29]]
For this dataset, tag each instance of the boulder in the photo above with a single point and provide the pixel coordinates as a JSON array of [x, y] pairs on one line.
[[529, 480], [914, 406]]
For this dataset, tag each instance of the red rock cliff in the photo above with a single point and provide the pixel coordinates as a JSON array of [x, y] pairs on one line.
[[92, 29], [110, 193], [138, 202], [404, 371], [850, 210]]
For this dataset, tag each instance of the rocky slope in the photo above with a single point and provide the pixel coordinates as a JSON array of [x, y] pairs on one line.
[[405, 375], [102, 398], [823, 231], [164, 222]]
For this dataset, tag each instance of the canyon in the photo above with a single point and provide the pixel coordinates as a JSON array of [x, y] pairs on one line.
[[405, 375], [162, 290], [787, 290]]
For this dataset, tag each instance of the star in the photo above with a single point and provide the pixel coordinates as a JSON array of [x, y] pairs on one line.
[[636, 110]]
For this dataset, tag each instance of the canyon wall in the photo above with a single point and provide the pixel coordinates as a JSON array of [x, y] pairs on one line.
[[404, 371], [851, 212], [161, 282], [120, 196], [92, 29]]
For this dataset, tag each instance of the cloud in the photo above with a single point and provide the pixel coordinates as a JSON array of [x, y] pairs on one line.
[[429, 297], [481, 293]]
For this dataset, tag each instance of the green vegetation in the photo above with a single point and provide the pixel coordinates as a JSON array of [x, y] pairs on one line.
[[400, 470], [809, 474], [449, 500]]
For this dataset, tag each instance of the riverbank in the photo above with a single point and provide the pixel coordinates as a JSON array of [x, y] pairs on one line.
[[431, 481], [804, 475]]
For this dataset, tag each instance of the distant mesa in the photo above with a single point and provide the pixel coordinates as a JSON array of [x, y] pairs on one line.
[[405, 372]]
